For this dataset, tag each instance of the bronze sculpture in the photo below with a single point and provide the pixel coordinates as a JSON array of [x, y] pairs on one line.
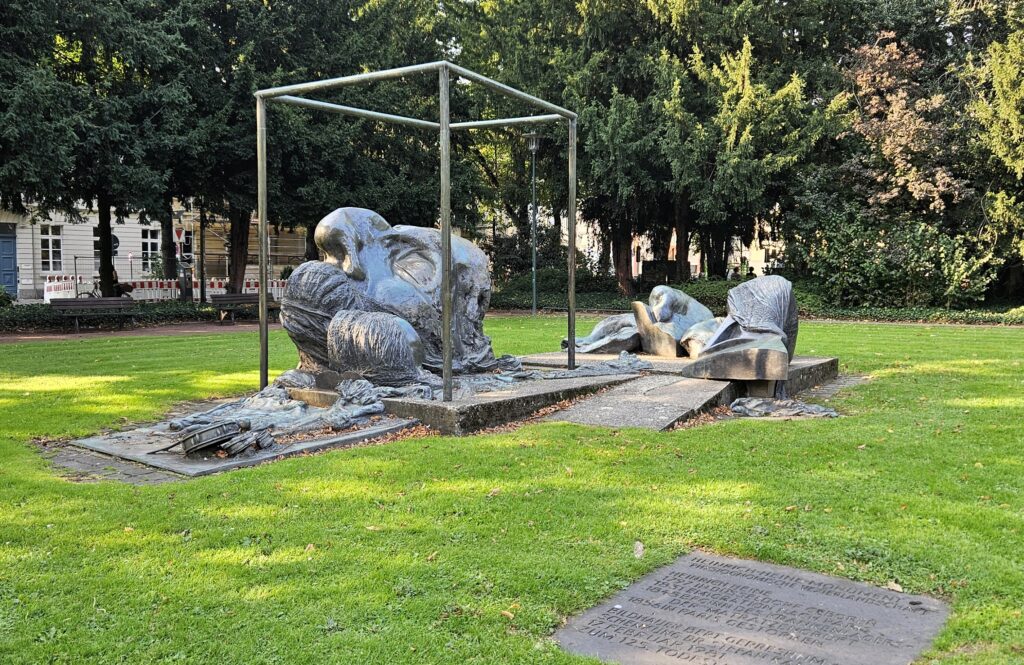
[[372, 308]]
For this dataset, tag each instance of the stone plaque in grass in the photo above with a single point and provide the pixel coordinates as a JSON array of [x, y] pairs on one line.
[[714, 610]]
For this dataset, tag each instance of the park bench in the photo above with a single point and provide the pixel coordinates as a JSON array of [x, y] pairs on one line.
[[228, 303], [81, 308]]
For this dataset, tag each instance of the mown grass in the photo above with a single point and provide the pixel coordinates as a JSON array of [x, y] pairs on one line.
[[412, 551]]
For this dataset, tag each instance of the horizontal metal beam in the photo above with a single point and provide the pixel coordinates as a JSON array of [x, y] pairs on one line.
[[506, 122], [398, 72], [327, 84], [511, 92], [359, 113]]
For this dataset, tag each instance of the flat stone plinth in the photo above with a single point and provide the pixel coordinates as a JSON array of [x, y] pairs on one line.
[[141, 445], [715, 610], [809, 371], [804, 371], [558, 360], [487, 409], [656, 402]]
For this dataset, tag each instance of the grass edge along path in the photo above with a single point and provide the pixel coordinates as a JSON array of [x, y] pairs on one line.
[[472, 550]]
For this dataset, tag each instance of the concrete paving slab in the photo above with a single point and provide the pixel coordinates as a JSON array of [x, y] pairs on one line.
[[487, 409], [138, 446], [654, 402], [716, 610], [829, 389], [86, 465]]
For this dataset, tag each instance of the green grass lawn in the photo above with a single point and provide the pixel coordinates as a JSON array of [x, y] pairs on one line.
[[411, 552]]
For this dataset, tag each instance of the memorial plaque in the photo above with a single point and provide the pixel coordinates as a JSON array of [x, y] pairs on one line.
[[712, 610]]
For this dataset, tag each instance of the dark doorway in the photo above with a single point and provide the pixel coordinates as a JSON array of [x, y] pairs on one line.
[[8, 261]]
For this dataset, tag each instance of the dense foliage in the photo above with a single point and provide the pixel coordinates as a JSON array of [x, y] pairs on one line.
[[597, 294], [881, 140]]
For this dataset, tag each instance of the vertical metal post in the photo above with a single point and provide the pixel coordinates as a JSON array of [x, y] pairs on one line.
[[572, 244], [446, 235], [261, 213], [533, 225]]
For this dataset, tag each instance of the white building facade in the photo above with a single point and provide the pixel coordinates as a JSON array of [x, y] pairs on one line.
[[59, 249], [31, 253]]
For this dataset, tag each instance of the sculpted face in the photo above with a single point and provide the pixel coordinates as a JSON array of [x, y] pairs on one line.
[[374, 267]]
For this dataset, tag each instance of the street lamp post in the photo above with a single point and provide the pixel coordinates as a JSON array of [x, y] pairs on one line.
[[533, 142]]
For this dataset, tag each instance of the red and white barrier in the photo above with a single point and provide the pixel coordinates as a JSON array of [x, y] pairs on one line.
[[61, 286], [64, 286]]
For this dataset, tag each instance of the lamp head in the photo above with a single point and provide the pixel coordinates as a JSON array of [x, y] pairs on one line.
[[532, 141]]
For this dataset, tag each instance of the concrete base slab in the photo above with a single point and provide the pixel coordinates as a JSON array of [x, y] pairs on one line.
[[809, 371], [656, 401], [558, 360], [487, 409], [137, 445], [653, 402], [804, 371]]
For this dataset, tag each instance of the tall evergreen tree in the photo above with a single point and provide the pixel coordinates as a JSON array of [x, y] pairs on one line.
[[98, 63]]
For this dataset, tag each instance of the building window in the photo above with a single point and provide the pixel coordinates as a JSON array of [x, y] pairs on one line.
[[150, 248], [95, 249], [50, 248]]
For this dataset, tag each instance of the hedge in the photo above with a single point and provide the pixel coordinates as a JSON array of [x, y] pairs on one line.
[[551, 290], [29, 318]]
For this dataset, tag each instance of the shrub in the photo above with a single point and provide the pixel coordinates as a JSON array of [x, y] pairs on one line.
[[556, 281], [860, 262], [26, 318], [511, 255], [5, 298]]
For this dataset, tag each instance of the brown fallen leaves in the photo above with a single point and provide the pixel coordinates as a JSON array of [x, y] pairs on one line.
[[706, 418], [328, 431]]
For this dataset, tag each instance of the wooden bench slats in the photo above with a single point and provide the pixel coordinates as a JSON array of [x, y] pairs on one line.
[[82, 307], [235, 298], [80, 304]]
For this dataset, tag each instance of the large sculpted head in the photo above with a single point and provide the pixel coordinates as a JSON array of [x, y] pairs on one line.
[[371, 266]]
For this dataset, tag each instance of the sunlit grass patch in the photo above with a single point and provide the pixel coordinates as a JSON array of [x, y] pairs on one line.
[[411, 552]]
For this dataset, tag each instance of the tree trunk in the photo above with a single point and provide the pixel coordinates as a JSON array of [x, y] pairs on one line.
[[106, 248], [726, 246], [682, 220], [168, 257], [622, 253], [238, 253], [1015, 279], [202, 253], [604, 259], [702, 248], [716, 251], [312, 251], [661, 240]]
